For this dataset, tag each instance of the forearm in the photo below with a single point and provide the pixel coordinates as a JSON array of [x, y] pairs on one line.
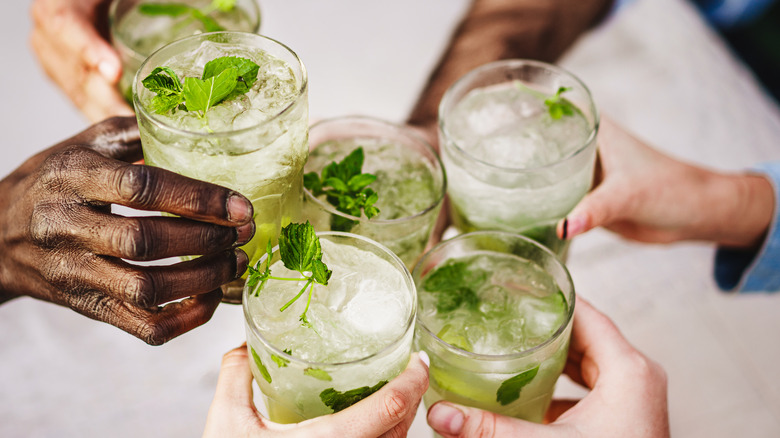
[[506, 29]]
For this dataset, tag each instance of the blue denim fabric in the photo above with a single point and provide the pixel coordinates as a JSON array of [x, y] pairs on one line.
[[751, 271], [731, 13]]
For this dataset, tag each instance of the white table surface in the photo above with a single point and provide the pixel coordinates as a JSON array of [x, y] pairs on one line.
[[655, 68]]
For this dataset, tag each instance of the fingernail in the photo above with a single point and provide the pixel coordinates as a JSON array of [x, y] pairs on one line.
[[241, 261], [245, 233], [446, 419], [565, 229], [424, 358], [573, 226], [108, 70], [239, 209]]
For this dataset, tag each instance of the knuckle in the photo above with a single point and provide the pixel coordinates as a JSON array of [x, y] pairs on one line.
[[154, 333], [134, 241], [398, 431], [43, 225], [395, 406], [484, 426], [641, 367], [138, 287], [136, 184]]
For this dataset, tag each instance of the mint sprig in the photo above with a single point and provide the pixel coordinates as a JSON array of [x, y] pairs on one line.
[[223, 78], [180, 9], [454, 286], [346, 188], [299, 250], [558, 106], [338, 401]]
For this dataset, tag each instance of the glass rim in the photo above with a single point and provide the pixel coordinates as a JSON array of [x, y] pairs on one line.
[[509, 356], [328, 207], [410, 322], [115, 37], [141, 109], [591, 139]]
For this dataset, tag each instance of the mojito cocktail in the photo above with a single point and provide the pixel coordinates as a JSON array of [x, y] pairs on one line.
[[319, 356], [519, 144], [254, 141], [410, 183], [139, 27], [495, 313]]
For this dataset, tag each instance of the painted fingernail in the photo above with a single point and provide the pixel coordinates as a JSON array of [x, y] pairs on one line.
[[241, 261], [565, 229], [239, 209], [446, 419], [574, 226], [424, 358], [245, 233]]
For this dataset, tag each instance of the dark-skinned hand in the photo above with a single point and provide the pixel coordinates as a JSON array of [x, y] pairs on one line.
[[59, 241]]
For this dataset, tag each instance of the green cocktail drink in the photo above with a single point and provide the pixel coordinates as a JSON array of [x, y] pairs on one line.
[[519, 145], [358, 337], [254, 143], [410, 183], [495, 313], [140, 27]]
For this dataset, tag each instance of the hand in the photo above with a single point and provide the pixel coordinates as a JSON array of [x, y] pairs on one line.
[[647, 196], [76, 57], [388, 412], [59, 241], [627, 397]]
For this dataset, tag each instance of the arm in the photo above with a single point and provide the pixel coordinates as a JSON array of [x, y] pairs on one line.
[[59, 241], [505, 29]]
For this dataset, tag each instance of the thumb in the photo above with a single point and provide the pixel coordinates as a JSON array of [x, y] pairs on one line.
[[234, 387], [451, 421], [599, 208]]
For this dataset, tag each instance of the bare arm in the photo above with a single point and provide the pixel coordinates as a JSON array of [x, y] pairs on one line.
[[505, 29]]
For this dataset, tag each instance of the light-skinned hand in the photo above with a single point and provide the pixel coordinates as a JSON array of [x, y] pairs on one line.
[[645, 195], [627, 395], [74, 54], [388, 412]]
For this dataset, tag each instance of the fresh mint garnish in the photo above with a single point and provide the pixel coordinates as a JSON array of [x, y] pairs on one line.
[[260, 366], [300, 250], [346, 188], [559, 106], [454, 285], [318, 374], [180, 9], [223, 78], [339, 401], [280, 361], [509, 390]]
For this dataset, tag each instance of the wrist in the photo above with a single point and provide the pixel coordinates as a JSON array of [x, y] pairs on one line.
[[742, 208]]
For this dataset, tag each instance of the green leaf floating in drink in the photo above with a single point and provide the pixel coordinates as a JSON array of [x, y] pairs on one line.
[[300, 250], [280, 361], [223, 78], [559, 106], [180, 10], [455, 285], [318, 374], [339, 401], [346, 188], [263, 370], [509, 390]]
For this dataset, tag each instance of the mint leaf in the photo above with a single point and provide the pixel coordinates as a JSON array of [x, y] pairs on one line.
[[299, 246], [200, 95], [170, 9], [558, 106], [260, 366], [318, 374], [320, 272], [161, 103], [163, 80], [509, 390], [455, 285], [280, 361], [338, 401], [223, 5], [209, 24]]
